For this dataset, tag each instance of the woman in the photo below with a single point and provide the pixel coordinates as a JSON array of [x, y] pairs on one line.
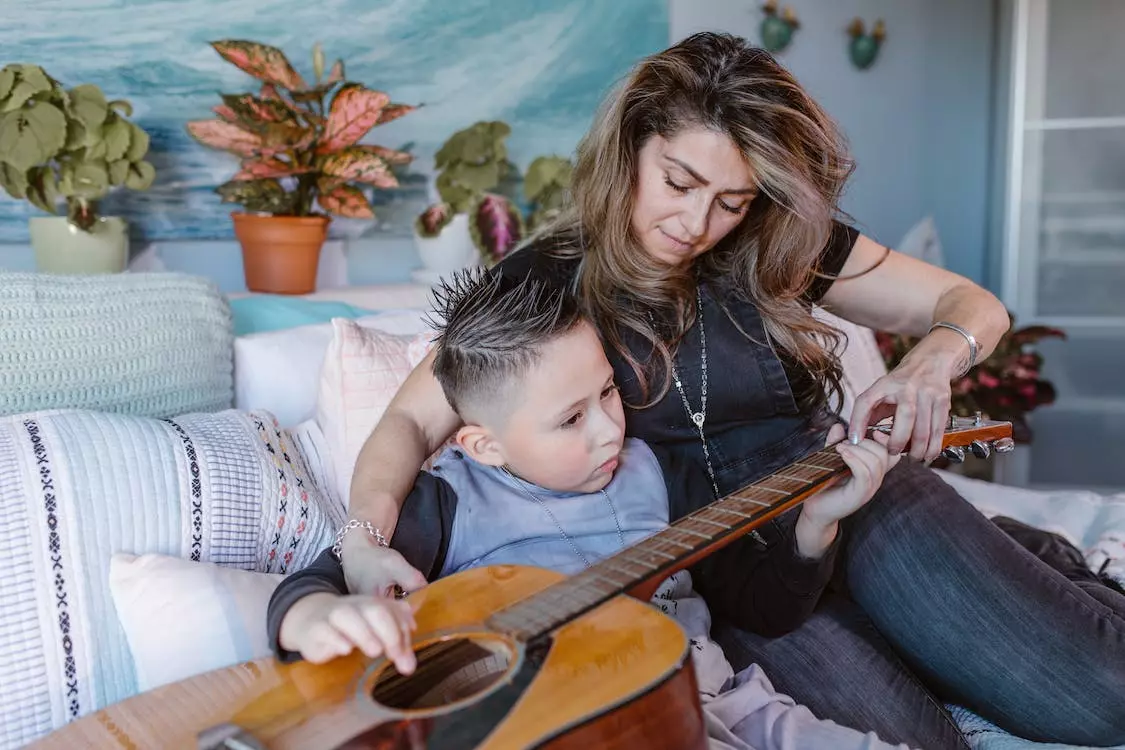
[[702, 230]]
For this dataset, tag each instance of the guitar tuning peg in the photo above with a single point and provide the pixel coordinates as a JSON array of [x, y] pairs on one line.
[[954, 453], [980, 449], [1004, 445]]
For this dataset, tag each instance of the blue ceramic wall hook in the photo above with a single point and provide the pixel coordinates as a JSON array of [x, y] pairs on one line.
[[864, 47]]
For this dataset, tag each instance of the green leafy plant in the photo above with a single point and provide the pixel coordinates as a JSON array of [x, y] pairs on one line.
[[1006, 386], [61, 144], [473, 170], [299, 143], [471, 162], [545, 187]]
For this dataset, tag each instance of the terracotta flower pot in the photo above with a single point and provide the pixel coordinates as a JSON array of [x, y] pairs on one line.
[[280, 254]]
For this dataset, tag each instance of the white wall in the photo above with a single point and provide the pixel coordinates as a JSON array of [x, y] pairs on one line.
[[918, 121]]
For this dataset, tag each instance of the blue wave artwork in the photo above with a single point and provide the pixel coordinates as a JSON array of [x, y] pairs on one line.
[[540, 65]]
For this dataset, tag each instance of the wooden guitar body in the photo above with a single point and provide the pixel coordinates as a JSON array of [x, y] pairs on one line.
[[619, 676]]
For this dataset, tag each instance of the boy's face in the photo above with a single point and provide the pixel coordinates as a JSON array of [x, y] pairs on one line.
[[565, 425]]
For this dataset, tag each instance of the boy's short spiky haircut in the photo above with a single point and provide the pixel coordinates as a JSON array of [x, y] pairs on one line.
[[491, 329]]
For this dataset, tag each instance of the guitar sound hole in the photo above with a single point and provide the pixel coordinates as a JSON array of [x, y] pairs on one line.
[[448, 671]]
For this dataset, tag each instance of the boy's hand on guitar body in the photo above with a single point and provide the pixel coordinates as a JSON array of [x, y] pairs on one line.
[[324, 626], [821, 514]]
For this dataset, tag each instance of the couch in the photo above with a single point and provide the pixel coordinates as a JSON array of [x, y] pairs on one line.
[[142, 547]]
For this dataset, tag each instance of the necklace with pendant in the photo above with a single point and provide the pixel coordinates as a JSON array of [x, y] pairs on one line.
[[562, 532], [698, 418]]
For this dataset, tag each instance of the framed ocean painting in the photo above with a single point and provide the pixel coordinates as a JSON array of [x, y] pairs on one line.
[[540, 65]]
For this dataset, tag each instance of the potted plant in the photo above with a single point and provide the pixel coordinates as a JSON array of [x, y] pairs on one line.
[[69, 146], [470, 164], [545, 187], [301, 160], [495, 222]]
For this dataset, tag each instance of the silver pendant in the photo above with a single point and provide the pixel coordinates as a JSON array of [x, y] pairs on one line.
[[698, 418]]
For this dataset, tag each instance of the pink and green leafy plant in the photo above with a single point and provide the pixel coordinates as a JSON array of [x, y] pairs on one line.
[[496, 226], [299, 143]]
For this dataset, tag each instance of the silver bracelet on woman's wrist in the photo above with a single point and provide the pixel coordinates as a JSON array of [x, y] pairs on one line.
[[373, 532], [972, 342]]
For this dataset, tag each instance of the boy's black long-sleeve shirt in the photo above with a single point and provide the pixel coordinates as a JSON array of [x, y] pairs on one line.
[[759, 584]]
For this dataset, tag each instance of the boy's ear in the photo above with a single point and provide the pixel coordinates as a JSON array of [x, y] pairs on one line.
[[481, 444]]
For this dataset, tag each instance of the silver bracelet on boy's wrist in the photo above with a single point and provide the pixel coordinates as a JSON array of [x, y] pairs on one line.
[[373, 532], [969, 339]]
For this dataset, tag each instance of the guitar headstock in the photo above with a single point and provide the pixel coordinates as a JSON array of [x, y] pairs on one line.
[[980, 436]]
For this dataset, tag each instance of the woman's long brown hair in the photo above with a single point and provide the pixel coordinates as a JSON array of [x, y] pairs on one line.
[[719, 82]]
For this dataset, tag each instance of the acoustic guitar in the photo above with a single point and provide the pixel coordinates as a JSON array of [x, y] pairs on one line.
[[508, 656]]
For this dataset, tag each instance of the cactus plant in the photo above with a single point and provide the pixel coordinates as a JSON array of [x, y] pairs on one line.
[[299, 142], [66, 144]]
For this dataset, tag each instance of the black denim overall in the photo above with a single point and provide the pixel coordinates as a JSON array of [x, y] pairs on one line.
[[752, 427]]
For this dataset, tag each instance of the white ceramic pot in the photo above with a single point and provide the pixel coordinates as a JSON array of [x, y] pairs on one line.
[[450, 251], [61, 247]]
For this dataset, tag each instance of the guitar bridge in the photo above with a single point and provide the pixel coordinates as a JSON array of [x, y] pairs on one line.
[[228, 737]]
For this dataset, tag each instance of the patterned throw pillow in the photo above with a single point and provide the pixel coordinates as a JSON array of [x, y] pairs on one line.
[[77, 487], [362, 371]]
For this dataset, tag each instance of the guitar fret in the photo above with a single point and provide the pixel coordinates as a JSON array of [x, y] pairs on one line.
[[701, 519], [748, 499], [611, 575], [572, 600], [737, 512], [772, 485], [596, 575], [659, 557], [665, 539], [819, 467], [682, 529], [594, 578], [695, 525], [800, 473], [621, 562], [752, 500], [726, 517]]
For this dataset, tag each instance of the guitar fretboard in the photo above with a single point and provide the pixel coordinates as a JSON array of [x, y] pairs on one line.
[[669, 550]]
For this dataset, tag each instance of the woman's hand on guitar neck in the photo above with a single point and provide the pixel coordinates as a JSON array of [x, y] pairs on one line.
[[821, 514], [323, 626]]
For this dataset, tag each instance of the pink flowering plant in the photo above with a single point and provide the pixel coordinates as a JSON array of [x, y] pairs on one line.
[[1006, 386]]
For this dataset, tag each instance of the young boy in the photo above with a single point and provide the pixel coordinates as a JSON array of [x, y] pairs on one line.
[[541, 474]]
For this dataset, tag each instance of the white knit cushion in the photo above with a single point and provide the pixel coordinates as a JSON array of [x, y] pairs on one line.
[[146, 344]]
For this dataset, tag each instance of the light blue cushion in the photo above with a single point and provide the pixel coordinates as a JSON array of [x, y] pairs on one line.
[[271, 312], [146, 344]]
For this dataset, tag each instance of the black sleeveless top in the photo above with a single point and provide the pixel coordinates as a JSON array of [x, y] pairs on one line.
[[753, 423]]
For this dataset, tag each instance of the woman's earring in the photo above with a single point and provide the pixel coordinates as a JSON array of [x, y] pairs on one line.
[[777, 31], [864, 47]]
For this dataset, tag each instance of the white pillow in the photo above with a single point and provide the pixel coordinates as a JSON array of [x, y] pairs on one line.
[[278, 370], [183, 618], [363, 369], [860, 358]]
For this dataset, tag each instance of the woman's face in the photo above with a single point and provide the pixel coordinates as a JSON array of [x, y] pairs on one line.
[[692, 189]]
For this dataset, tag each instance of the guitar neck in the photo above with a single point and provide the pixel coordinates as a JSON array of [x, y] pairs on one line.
[[682, 544], [637, 569]]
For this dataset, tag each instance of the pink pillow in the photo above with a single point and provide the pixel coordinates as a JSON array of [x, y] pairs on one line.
[[363, 369]]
